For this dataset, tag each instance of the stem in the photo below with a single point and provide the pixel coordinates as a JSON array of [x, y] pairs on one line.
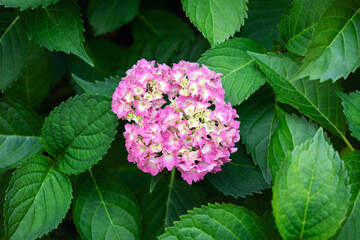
[[348, 143], [172, 177]]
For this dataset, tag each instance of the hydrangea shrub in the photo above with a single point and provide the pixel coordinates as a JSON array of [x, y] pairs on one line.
[[121, 119]]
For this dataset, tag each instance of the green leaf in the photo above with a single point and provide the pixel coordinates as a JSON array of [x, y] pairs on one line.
[[140, 187], [156, 22], [109, 15], [351, 105], [241, 76], [79, 132], [258, 119], [165, 204], [105, 208], [310, 193], [13, 48], [59, 27], [161, 49], [351, 227], [316, 100], [190, 49], [262, 25], [19, 133], [155, 180], [37, 199], [217, 221], [352, 160], [290, 132], [217, 20], [35, 80], [106, 57], [298, 33], [26, 4], [335, 48], [239, 177], [106, 87], [4, 182]]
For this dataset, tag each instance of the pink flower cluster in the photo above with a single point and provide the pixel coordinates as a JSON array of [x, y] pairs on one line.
[[179, 118]]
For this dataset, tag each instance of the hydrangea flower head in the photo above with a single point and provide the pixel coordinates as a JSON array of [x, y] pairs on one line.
[[178, 118]]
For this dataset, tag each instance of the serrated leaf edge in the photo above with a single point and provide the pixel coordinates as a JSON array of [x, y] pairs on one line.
[[12, 182], [57, 157]]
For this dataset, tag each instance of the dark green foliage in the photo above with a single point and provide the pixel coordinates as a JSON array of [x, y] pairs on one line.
[[287, 68], [350, 229], [351, 105], [19, 133], [263, 22], [209, 16], [155, 22], [27, 4], [211, 222], [79, 131], [305, 189], [109, 15], [169, 200], [13, 51], [104, 208], [241, 76], [240, 177], [258, 121], [290, 132], [317, 100], [37, 199], [35, 80], [63, 28]]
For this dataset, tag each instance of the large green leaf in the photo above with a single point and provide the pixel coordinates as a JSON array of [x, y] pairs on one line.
[[26, 4], [79, 132], [109, 15], [262, 25], [13, 48], [258, 119], [35, 80], [104, 208], [165, 204], [217, 20], [310, 193], [335, 48], [298, 24], [351, 105], [351, 227], [156, 22], [318, 101], [19, 133], [37, 199], [58, 26], [106, 57], [106, 87], [290, 132], [241, 76], [217, 221], [239, 177]]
